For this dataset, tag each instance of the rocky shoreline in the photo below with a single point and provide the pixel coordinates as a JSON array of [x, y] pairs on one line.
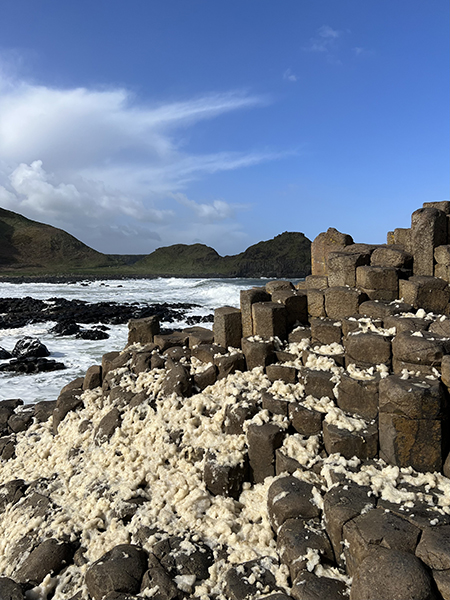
[[301, 450]]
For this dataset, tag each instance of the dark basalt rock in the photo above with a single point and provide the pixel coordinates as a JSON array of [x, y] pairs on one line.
[[29, 347], [4, 354], [64, 328], [10, 590], [49, 557], [32, 365], [238, 580], [182, 557], [92, 334], [119, 570]]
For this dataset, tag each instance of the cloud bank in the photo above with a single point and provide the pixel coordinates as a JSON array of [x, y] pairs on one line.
[[112, 170]]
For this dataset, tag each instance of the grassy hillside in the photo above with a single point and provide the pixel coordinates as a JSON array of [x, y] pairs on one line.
[[31, 248]]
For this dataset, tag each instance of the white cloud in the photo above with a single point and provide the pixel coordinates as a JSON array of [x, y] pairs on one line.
[[289, 75], [104, 166], [324, 40]]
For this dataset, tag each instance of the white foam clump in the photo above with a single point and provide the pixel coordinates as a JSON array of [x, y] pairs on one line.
[[369, 373], [330, 349], [303, 449], [94, 482]]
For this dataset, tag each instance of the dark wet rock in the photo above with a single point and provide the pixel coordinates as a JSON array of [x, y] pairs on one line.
[[22, 420], [107, 426], [386, 574], [304, 420], [434, 547], [290, 498], [296, 537], [10, 590], [227, 365], [93, 377], [224, 480], [7, 446], [4, 354], [36, 504], [239, 583], [205, 378], [277, 406], [377, 527], [7, 408], [236, 414], [308, 586], [11, 492], [177, 353], [177, 381], [67, 401], [43, 410], [32, 365], [363, 444], [119, 570], [158, 577], [284, 463], [262, 442], [341, 504], [49, 557], [29, 347], [183, 557], [64, 328], [92, 334]]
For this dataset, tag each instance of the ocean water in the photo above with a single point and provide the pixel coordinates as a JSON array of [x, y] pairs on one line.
[[79, 354]]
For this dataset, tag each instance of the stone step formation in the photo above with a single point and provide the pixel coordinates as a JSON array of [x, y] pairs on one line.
[[299, 450]]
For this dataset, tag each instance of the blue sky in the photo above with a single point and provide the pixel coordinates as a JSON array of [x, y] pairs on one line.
[[140, 124]]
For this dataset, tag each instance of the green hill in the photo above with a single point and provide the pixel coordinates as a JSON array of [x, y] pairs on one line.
[[31, 248]]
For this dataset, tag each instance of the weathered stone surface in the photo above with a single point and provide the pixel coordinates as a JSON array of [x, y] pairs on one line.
[[247, 298], [386, 574], [411, 442], [284, 463], [10, 590], [262, 442], [11, 492], [7, 446], [445, 370], [258, 352], [142, 331], [295, 538], [442, 255], [205, 378], [247, 580], [434, 547], [207, 352], [299, 334], [330, 241], [443, 205], [22, 420], [377, 527], [279, 285], [358, 396], [316, 302], [308, 586], [177, 380], [391, 256], [282, 373], [367, 349], [157, 577], [318, 282], [326, 331], [67, 401], [363, 444], [304, 420], [341, 302], [317, 383], [379, 283], [142, 361], [379, 309], [402, 238], [412, 398], [427, 292], [290, 498], [107, 426], [424, 348], [442, 580], [228, 327], [168, 340], [428, 230], [47, 558], [182, 557], [411, 324], [237, 414], [296, 304], [199, 335], [341, 504], [107, 362], [119, 570], [440, 327], [269, 320], [342, 267], [93, 377], [224, 480], [226, 365], [443, 272]]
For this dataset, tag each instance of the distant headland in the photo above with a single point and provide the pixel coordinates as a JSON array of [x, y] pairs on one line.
[[32, 249]]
